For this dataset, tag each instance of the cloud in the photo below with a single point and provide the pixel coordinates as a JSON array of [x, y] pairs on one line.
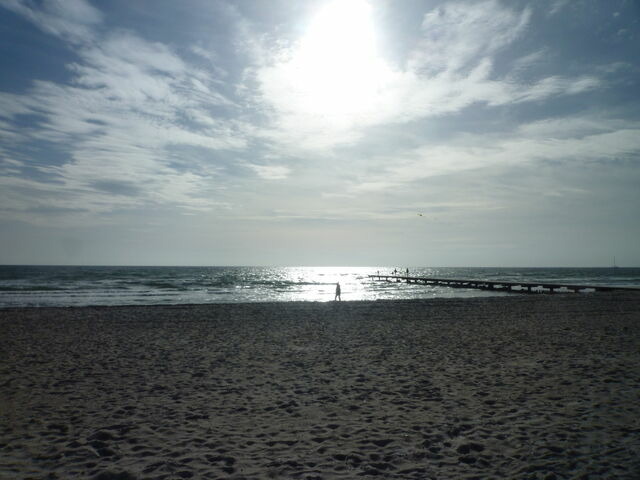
[[566, 140], [456, 35], [271, 172], [526, 63], [450, 68], [151, 124], [129, 100], [557, 6]]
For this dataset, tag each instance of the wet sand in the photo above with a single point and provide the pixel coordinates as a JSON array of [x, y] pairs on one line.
[[539, 386]]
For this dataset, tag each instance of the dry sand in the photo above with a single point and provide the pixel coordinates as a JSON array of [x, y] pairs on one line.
[[542, 386]]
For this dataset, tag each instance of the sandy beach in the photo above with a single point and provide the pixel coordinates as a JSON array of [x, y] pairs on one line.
[[539, 386]]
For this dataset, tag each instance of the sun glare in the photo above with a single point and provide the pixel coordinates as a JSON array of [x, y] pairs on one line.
[[336, 69]]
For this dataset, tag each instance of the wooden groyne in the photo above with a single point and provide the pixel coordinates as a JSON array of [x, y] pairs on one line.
[[513, 287]]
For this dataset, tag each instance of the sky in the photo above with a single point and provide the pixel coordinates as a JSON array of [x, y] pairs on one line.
[[349, 132]]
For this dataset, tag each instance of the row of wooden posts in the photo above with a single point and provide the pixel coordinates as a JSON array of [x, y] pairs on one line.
[[514, 287]]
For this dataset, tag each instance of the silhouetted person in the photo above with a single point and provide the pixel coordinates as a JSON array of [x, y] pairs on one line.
[[337, 297]]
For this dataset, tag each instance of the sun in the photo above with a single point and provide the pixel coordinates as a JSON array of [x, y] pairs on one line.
[[335, 69]]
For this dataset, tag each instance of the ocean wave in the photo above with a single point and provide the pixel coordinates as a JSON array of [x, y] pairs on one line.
[[66, 286]]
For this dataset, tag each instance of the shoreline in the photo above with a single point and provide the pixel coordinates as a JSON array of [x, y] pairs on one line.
[[535, 386], [622, 294]]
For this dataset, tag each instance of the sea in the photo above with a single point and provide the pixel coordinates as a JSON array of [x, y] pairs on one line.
[[64, 286]]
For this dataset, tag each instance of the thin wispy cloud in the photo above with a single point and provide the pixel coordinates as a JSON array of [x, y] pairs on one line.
[[271, 172], [557, 6], [128, 100], [576, 140]]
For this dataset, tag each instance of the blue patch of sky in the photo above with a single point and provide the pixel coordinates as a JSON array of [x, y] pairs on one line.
[[625, 162], [117, 187], [399, 29], [37, 174], [588, 34], [180, 25], [96, 121], [573, 41], [36, 154], [622, 92], [28, 54], [28, 120]]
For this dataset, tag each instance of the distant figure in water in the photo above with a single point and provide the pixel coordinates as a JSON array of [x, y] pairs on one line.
[[337, 297], [407, 272]]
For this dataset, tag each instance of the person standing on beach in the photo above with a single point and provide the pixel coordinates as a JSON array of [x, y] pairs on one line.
[[337, 297]]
